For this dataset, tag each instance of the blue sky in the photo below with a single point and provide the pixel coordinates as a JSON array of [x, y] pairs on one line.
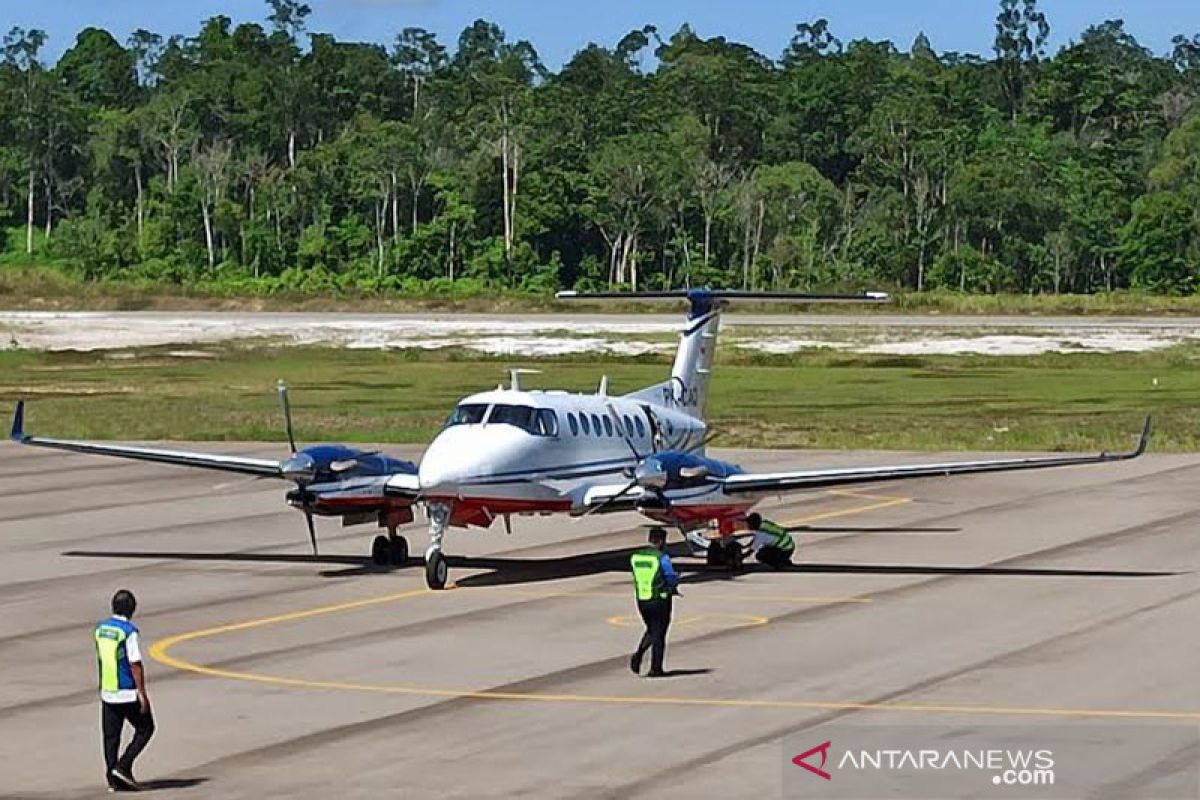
[[558, 29]]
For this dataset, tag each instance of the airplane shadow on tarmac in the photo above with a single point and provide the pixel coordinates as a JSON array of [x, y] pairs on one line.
[[506, 570]]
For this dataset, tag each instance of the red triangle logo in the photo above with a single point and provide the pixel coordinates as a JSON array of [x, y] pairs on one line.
[[823, 749]]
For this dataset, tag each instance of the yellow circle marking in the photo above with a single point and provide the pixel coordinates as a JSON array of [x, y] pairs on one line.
[[160, 652], [739, 620]]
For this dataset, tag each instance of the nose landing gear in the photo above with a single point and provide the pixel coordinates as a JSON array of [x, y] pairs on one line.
[[437, 571]]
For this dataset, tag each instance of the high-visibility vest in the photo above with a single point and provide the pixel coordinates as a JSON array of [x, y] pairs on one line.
[[115, 673], [783, 539], [648, 579]]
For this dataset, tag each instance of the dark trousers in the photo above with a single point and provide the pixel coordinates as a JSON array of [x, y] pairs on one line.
[[774, 557], [113, 717], [657, 616]]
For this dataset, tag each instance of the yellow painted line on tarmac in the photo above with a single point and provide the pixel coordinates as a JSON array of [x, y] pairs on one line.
[[881, 501], [770, 598], [160, 651], [739, 620]]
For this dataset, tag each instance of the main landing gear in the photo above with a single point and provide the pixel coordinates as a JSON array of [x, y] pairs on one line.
[[390, 550], [436, 568], [726, 552]]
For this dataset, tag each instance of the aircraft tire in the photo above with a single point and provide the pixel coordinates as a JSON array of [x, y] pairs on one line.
[[436, 571], [398, 551], [715, 555], [380, 550]]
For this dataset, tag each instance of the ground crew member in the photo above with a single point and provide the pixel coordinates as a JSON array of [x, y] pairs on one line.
[[772, 544], [655, 581], [123, 695]]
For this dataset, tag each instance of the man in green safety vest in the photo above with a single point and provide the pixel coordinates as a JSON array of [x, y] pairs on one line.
[[123, 695], [654, 581], [773, 544]]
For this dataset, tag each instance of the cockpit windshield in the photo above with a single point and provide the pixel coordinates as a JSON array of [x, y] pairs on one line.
[[538, 421], [467, 414], [521, 416]]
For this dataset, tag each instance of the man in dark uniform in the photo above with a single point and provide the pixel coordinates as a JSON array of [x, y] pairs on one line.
[[123, 695], [654, 581]]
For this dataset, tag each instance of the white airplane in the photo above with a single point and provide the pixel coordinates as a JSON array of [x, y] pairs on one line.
[[511, 451]]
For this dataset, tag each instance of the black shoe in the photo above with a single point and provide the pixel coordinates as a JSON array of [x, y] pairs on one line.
[[635, 663], [656, 673], [123, 778]]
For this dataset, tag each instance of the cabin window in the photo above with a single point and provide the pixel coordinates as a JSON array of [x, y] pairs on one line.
[[467, 414], [583, 420], [641, 428], [608, 426], [628, 426], [545, 422], [596, 425], [573, 423]]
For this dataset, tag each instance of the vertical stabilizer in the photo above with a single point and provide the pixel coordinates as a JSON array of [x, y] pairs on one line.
[[687, 390]]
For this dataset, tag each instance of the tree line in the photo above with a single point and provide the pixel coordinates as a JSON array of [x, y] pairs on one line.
[[269, 157]]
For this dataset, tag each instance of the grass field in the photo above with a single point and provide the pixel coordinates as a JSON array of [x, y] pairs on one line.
[[818, 400]]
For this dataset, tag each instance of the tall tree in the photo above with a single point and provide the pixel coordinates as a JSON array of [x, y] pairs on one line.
[[1021, 34]]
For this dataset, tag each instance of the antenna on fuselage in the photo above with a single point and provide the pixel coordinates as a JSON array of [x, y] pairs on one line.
[[515, 376], [602, 389]]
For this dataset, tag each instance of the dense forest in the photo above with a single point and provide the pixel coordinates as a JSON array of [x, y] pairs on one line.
[[267, 157]]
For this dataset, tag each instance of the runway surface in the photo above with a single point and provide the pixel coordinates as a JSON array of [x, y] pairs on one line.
[[1024, 598]]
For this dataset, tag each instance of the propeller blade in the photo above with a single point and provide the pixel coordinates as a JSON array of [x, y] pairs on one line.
[[624, 433], [312, 529], [703, 444], [281, 387], [611, 500]]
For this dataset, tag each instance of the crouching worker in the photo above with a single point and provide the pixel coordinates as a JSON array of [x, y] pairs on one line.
[[772, 544], [123, 695]]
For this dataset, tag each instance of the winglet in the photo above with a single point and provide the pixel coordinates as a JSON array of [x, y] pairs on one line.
[[18, 425], [1144, 441]]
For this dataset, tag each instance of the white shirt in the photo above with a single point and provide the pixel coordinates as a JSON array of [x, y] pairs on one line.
[[761, 540], [133, 652]]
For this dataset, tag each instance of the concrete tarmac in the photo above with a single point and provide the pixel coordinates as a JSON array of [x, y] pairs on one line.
[[1031, 599]]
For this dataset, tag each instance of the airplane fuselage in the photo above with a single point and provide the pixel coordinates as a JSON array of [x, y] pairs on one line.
[[529, 452]]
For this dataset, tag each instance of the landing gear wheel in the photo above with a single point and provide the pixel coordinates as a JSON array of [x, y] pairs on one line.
[[398, 551], [436, 570], [380, 551], [733, 552], [715, 556]]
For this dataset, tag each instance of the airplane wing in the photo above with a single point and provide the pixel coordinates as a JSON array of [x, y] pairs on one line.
[[240, 464], [771, 482]]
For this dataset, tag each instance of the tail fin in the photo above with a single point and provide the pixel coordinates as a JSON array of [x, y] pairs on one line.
[[687, 389]]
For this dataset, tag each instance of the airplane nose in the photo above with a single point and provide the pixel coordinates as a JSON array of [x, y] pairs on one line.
[[442, 466]]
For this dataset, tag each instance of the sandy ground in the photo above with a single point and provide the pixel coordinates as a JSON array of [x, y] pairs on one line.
[[1028, 598], [558, 334]]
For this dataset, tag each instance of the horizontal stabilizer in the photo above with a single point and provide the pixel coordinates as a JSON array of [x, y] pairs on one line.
[[695, 295]]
